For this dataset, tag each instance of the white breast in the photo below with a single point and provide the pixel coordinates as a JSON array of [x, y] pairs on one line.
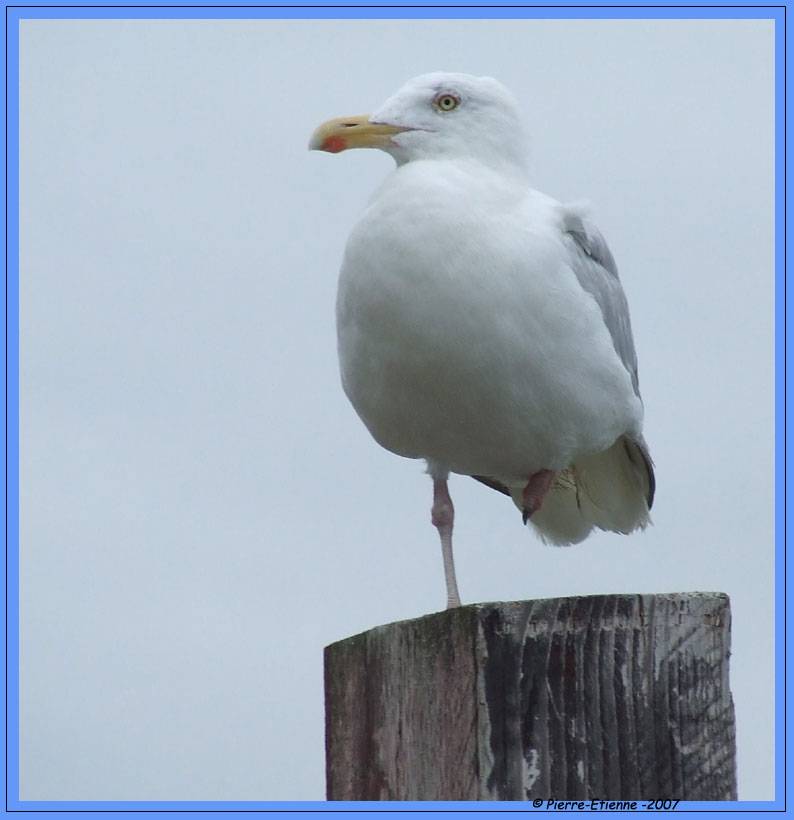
[[464, 335]]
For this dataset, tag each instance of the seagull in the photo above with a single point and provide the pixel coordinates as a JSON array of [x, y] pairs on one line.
[[481, 324]]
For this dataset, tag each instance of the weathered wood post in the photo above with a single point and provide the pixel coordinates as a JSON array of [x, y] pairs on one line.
[[606, 697]]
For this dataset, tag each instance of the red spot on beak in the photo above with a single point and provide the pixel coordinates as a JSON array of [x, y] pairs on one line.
[[334, 144]]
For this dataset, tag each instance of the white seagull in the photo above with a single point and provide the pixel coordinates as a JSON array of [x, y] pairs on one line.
[[482, 325]]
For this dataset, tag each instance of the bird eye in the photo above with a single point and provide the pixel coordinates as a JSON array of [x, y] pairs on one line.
[[446, 102]]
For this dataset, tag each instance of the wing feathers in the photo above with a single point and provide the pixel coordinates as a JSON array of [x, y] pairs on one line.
[[595, 268]]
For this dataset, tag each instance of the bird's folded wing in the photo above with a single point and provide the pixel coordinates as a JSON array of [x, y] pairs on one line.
[[595, 268]]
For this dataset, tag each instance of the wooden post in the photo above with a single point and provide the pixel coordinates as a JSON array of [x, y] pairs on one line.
[[605, 697]]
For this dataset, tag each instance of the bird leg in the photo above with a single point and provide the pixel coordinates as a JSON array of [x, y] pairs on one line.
[[536, 491], [442, 515]]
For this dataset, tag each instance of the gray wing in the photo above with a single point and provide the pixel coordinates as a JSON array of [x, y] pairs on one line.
[[595, 268]]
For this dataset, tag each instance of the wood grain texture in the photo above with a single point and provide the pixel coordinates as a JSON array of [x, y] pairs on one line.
[[613, 697]]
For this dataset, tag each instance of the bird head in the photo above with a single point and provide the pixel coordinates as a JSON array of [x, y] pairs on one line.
[[436, 116]]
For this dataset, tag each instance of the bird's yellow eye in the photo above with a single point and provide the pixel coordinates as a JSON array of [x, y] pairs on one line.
[[446, 102]]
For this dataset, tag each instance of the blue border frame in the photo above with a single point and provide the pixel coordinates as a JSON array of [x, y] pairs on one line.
[[585, 11]]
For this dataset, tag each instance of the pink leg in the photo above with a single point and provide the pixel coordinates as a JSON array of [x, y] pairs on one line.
[[536, 491], [443, 515]]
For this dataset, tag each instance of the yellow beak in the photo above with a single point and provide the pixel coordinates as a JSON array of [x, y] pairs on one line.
[[352, 132]]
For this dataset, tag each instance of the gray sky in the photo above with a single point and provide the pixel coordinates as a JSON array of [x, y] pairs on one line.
[[202, 511]]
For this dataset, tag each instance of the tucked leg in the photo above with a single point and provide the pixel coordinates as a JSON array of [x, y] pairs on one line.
[[443, 516], [536, 491]]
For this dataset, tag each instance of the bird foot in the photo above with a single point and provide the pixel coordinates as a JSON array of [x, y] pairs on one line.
[[535, 492]]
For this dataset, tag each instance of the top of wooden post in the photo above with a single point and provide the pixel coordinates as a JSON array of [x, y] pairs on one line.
[[603, 696]]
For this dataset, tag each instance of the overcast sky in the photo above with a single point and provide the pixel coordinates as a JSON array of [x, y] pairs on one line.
[[202, 511]]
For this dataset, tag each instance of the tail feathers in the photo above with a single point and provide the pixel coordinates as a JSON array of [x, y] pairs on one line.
[[612, 490]]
